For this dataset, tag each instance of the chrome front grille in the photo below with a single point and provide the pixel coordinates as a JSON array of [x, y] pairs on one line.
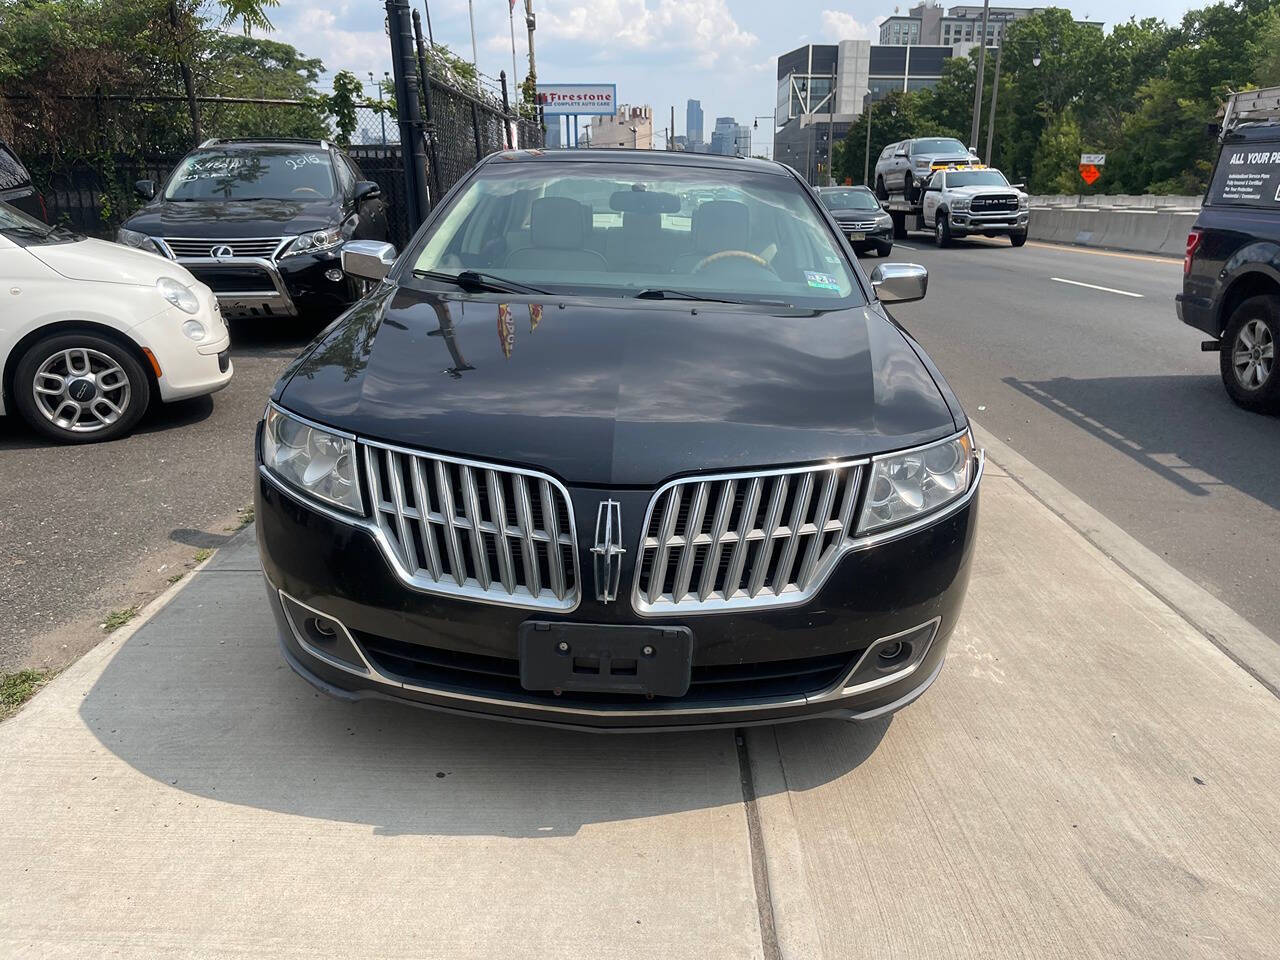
[[738, 541], [475, 530], [857, 224], [183, 247]]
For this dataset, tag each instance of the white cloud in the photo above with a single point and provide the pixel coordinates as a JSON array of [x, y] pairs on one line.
[[702, 29], [838, 25]]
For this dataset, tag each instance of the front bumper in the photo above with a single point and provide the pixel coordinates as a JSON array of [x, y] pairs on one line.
[[457, 655], [879, 235], [188, 368], [963, 224], [266, 287]]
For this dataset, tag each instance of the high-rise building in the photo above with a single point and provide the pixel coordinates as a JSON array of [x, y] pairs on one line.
[[693, 123], [959, 28], [730, 138], [629, 128]]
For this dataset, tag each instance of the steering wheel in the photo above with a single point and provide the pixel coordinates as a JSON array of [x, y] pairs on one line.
[[305, 190], [743, 254]]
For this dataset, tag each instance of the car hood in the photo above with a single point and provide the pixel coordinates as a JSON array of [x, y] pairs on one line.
[[104, 262], [624, 393], [228, 219], [944, 158]]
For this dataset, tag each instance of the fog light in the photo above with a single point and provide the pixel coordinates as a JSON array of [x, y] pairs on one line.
[[891, 652], [333, 274], [194, 330]]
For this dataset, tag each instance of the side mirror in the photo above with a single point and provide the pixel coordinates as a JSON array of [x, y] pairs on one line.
[[900, 282], [973, 151], [146, 189], [367, 190], [367, 259], [1018, 186]]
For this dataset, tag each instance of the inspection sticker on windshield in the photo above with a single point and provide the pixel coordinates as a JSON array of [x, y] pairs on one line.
[[823, 281]]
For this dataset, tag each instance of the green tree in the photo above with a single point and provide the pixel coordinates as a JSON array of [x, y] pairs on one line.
[[347, 92], [1058, 156]]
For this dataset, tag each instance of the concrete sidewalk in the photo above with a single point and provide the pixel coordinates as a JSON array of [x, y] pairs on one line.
[[1089, 777]]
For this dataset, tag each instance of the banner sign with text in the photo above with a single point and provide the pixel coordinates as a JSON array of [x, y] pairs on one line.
[[578, 99]]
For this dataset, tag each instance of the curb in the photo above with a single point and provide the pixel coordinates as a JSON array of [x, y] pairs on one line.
[[1246, 645]]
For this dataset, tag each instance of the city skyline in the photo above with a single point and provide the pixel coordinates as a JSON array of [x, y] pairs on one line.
[[722, 53]]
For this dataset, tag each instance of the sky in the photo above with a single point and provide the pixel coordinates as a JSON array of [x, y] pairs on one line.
[[658, 52]]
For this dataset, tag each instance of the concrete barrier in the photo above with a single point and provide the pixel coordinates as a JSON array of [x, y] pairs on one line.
[[1146, 201], [1162, 231]]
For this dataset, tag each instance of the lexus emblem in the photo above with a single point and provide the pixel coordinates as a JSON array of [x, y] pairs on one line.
[[608, 550], [221, 252]]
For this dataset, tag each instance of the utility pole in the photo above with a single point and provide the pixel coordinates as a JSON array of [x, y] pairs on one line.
[[977, 83], [995, 92], [866, 163], [671, 139], [471, 14], [530, 21]]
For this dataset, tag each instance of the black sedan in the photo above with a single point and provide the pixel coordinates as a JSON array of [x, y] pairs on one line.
[[600, 454], [261, 222], [861, 219]]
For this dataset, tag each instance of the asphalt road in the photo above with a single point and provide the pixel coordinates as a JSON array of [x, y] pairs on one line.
[[1108, 392], [92, 529]]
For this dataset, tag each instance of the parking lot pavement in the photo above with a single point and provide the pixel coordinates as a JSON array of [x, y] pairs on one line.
[[101, 527], [1089, 778]]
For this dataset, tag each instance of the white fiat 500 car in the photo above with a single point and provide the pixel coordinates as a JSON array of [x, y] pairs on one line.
[[92, 332]]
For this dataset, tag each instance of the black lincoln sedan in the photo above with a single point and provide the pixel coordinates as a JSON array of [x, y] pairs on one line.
[[596, 453], [261, 222]]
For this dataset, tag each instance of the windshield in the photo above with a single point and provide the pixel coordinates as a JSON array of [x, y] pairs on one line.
[[23, 230], [268, 174], [849, 200], [938, 145], [619, 229], [976, 178]]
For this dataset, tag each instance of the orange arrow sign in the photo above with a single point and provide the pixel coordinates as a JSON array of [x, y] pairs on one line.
[[1089, 173]]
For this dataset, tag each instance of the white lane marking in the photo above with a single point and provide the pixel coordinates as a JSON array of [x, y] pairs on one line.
[[1094, 286], [905, 247]]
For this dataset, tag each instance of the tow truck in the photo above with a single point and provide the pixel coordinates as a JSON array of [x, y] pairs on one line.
[[1002, 207]]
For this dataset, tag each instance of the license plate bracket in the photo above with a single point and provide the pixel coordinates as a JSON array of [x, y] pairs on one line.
[[605, 658], [857, 235]]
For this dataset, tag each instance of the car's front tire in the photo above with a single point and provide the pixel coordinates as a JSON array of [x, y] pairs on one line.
[[942, 230], [1247, 356], [1017, 239], [884, 249], [882, 192], [80, 388]]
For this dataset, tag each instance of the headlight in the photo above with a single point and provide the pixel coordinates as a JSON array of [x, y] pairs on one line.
[[923, 164], [139, 241], [319, 464], [1023, 201], [315, 242], [178, 294], [882, 218], [959, 204], [909, 485]]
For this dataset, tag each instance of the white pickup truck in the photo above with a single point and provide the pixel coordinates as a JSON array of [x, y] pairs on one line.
[[962, 201]]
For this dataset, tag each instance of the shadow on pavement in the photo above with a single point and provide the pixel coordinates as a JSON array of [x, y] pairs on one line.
[[201, 699], [1183, 428]]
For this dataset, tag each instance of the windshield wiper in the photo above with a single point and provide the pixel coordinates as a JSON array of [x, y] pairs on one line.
[[475, 280], [663, 293]]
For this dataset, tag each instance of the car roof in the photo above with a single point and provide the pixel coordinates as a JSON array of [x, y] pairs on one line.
[[259, 142], [704, 161]]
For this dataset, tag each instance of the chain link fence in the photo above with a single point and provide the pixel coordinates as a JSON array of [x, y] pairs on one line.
[[86, 152]]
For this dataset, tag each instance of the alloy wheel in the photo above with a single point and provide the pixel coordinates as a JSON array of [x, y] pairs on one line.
[[1253, 355], [81, 390]]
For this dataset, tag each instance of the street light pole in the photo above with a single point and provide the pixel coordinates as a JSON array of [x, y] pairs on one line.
[[866, 163]]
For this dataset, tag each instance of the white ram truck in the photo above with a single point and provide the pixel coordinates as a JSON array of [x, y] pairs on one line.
[[960, 202]]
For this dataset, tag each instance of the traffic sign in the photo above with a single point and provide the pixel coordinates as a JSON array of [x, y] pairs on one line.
[[1093, 159], [1089, 173]]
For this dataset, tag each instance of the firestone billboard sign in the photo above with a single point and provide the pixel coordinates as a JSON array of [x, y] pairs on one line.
[[578, 99]]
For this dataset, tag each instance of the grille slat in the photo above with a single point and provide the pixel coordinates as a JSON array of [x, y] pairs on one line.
[[773, 538], [240, 247], [464, 545]]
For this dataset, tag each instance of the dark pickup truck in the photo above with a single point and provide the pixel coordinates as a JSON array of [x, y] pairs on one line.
[[1231, 272]]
